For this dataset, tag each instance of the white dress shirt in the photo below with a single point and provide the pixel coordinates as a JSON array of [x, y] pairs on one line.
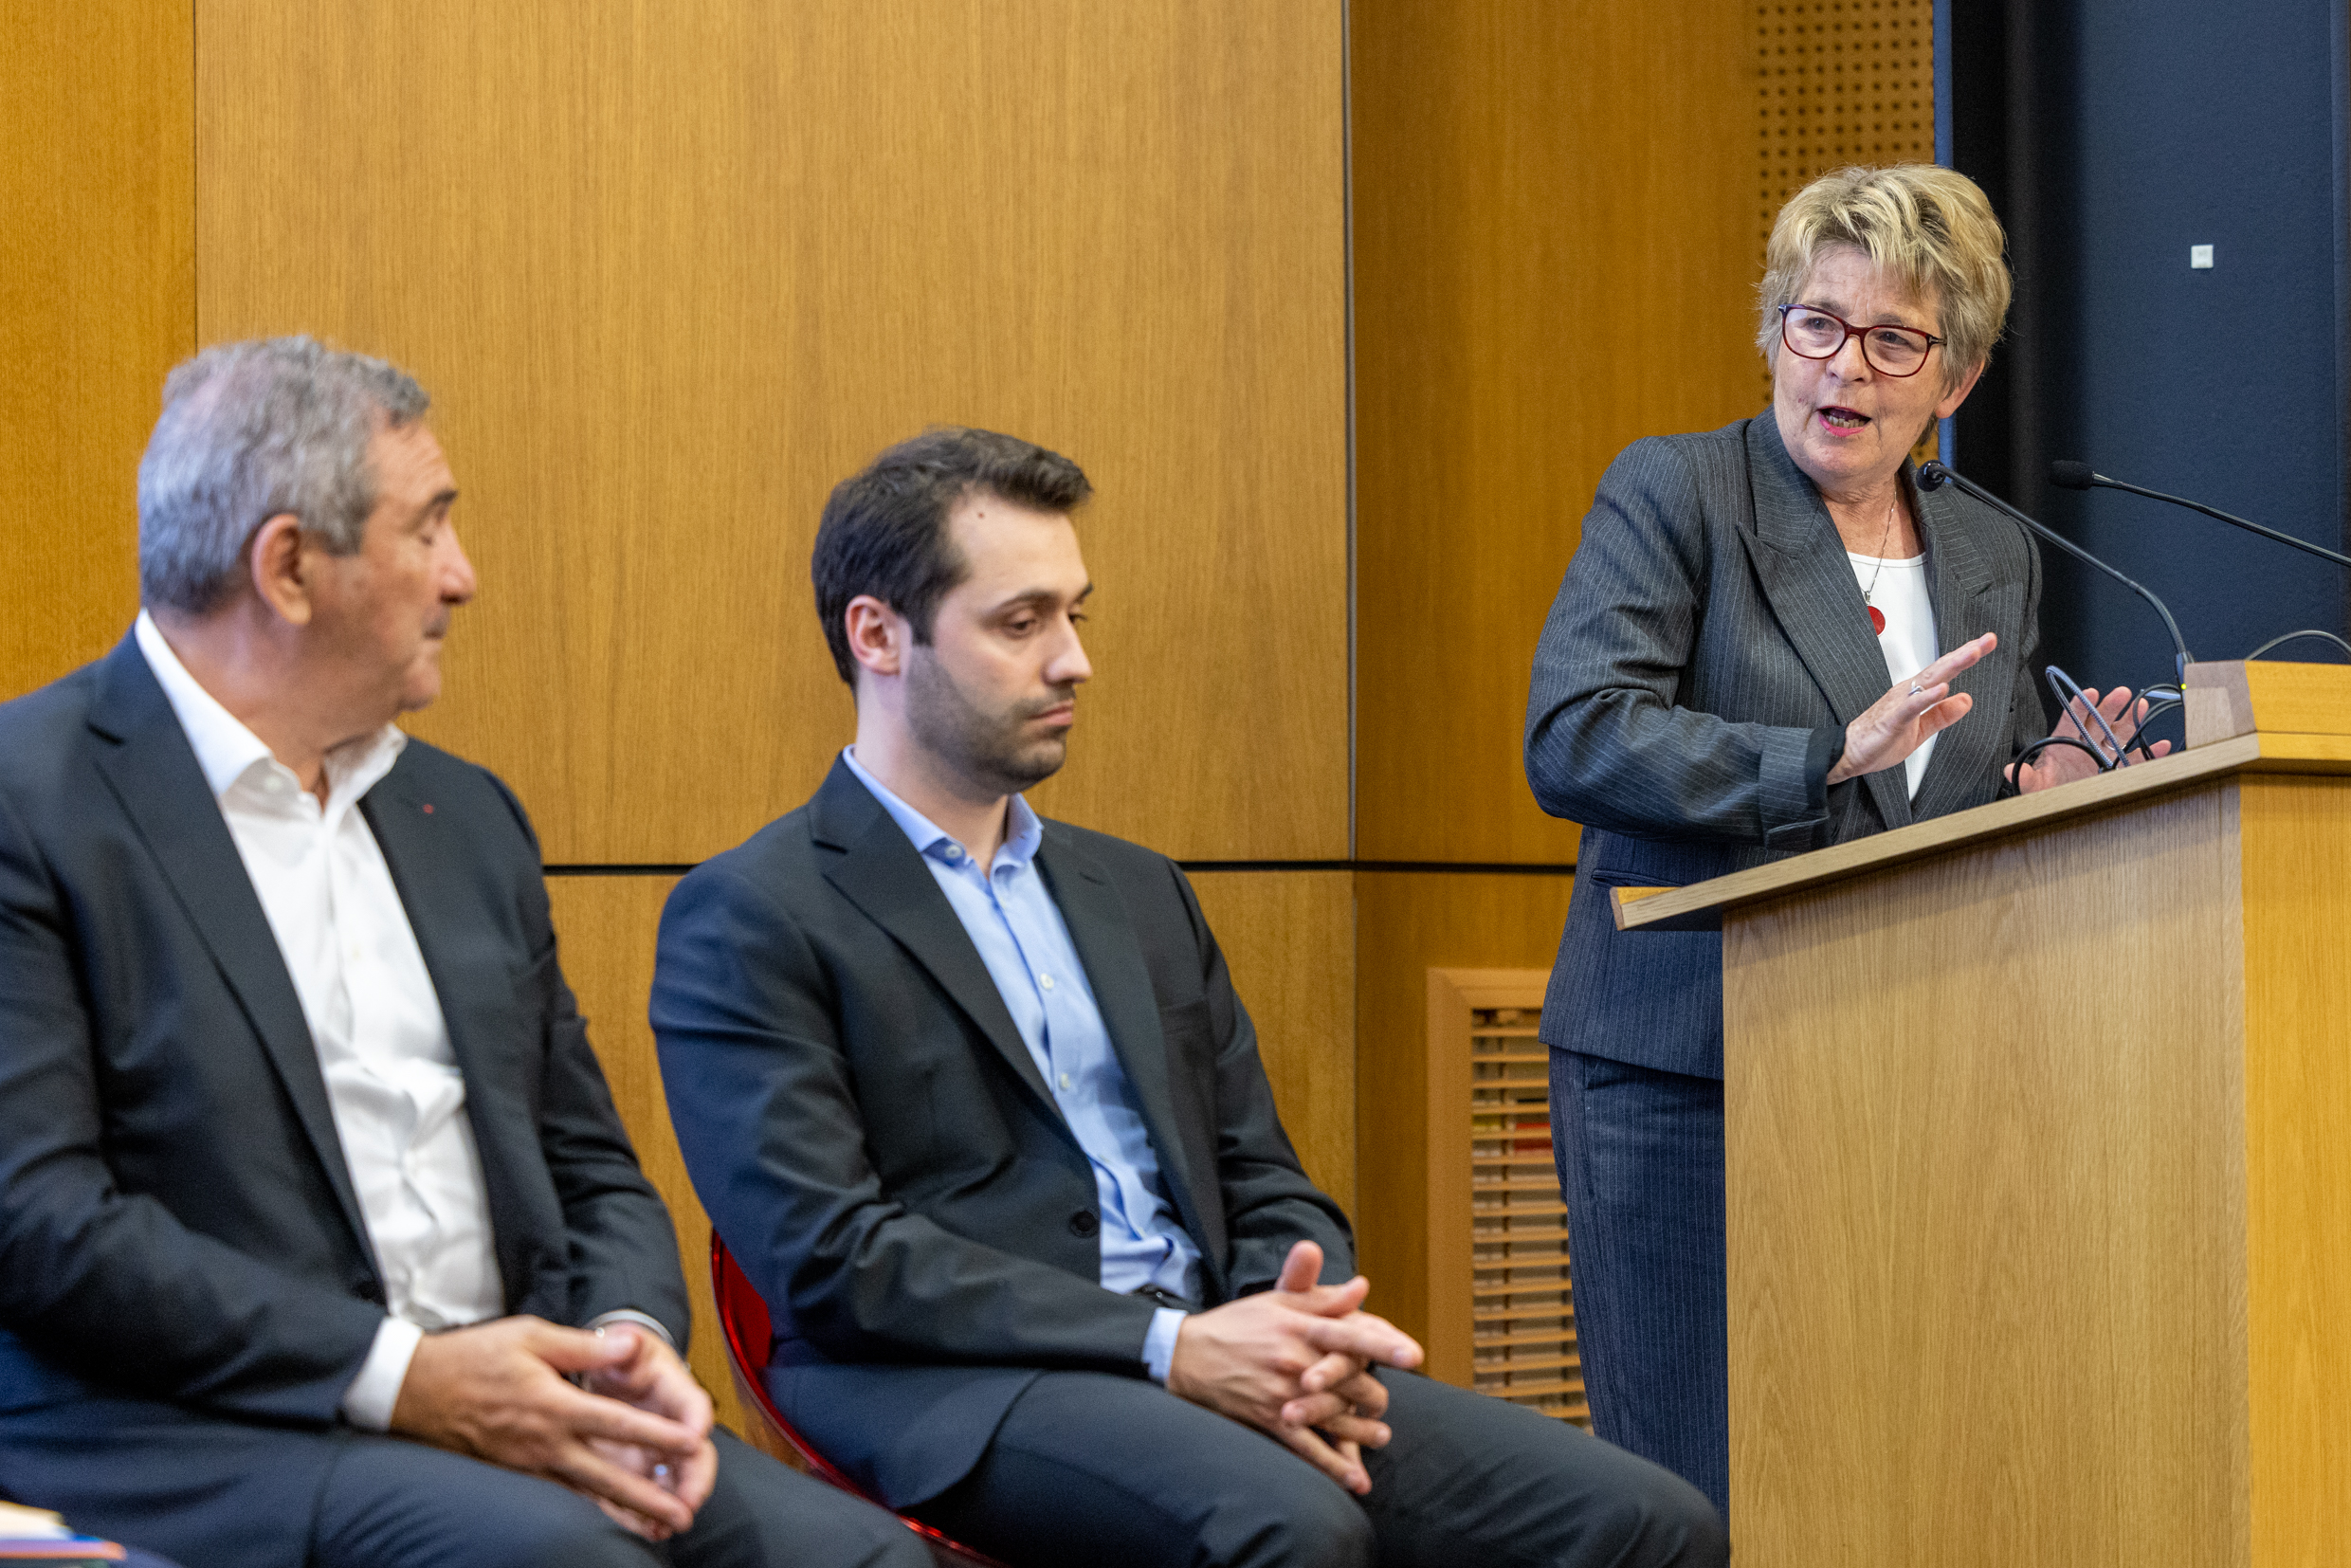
[[1907, 643], [398, 1098]]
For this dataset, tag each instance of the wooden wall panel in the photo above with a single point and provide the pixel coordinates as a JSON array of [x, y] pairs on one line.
[[671, 272], [1287, 938], [1407, 923], [96, 301], [1839, 82], [1987, 1241], [606, 926], [1554, 257], [2296, 875]]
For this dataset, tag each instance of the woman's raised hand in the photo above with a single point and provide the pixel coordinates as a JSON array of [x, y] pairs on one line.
[[2064, 764], [1901, 721]]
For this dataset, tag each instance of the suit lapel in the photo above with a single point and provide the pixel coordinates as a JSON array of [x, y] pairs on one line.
[[1121, 978], [412, 853], [1800, 562], [152, 772], [416, 852], [882, 874], [1955, 575]]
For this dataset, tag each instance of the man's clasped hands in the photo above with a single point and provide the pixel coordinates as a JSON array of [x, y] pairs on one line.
[[1295, 1361], [633, 1431]]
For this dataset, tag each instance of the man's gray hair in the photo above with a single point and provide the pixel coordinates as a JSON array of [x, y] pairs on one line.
[[249, 431]]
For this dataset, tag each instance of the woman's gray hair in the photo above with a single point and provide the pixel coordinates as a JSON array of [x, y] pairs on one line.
[[1928, 226], [249, 431]]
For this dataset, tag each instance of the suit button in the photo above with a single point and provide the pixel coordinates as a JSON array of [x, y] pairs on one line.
[[1083, 1223], [370, 1291]]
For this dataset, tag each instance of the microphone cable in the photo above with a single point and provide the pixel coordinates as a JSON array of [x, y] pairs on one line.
[[2291, 636], [2160, 699], [2009, 789]]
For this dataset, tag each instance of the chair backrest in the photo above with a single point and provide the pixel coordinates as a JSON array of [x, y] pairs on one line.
[[750, 1337]]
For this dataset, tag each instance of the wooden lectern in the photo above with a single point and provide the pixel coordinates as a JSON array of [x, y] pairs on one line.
[[2039, 1160]]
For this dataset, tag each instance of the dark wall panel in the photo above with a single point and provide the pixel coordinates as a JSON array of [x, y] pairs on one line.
[[2115, 134]]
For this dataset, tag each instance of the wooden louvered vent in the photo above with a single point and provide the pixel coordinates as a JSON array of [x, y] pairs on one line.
[[1503, 1315]]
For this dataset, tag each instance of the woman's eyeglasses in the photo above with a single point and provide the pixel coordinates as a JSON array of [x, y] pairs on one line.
[[1814, 333]]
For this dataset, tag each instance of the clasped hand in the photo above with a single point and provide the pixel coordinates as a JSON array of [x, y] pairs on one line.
[[1294, 1362], [634, 1437]]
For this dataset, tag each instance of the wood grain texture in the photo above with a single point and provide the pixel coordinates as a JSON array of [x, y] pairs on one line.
[[1986, 1205], [1699, 904], [2242, 696], [671, 272], [97, 303], [1288, 938], [1453, 995], [1444, 1218], [606, 928], [1553, 258], [2296, 922], [1406, 924], [1841, 82]]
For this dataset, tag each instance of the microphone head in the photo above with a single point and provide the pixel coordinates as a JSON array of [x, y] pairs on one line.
[[2071, 475], [1933, 475]]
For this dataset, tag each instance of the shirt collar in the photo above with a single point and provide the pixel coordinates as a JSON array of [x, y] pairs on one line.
[[227, 751], [1024, 830]]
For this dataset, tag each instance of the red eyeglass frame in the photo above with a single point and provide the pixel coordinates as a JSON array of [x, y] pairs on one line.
[[1851, 332]]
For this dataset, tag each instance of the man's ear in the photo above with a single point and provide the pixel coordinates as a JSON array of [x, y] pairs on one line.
[[281, 576], [877, 635]]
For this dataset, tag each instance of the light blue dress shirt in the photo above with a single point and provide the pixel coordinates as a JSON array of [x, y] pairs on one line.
[[1014, 922]]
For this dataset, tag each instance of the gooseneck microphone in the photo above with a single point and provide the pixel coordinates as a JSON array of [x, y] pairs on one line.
[[1935, 475], [2078, 476]]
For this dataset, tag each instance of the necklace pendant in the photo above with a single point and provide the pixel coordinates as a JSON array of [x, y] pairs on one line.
[[1877, 619]]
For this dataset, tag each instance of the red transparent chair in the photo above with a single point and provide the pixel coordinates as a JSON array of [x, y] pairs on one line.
[[742, 1317]]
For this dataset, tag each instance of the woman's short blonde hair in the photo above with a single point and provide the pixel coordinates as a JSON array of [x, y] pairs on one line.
[[1930, 226]]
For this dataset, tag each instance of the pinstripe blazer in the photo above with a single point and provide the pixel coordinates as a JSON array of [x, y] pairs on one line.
[[1709, 625]]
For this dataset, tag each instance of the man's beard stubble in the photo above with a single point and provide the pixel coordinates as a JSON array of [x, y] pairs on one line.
[[987, 748]]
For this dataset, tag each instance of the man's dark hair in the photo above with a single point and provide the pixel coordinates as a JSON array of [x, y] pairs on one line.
[[884, 529]]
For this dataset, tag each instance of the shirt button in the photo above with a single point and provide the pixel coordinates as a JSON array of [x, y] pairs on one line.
[[1064, 1080], [1046, 980], [954, 852]]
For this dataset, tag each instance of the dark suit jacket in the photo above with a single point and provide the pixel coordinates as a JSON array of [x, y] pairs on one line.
[[874, 1142], [179, 1239], [1707, 625]]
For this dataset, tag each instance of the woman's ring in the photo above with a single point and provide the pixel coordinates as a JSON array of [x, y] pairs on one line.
[[1917, 691]]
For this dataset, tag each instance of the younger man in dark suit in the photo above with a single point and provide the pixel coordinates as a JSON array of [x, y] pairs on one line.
[[970, 1096], [311, 1193]]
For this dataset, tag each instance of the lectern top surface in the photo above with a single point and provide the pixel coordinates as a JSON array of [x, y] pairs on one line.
[[1700, 906]]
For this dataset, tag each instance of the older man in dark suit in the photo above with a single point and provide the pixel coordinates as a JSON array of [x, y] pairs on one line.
[[314, 1207], [971, 1097]]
